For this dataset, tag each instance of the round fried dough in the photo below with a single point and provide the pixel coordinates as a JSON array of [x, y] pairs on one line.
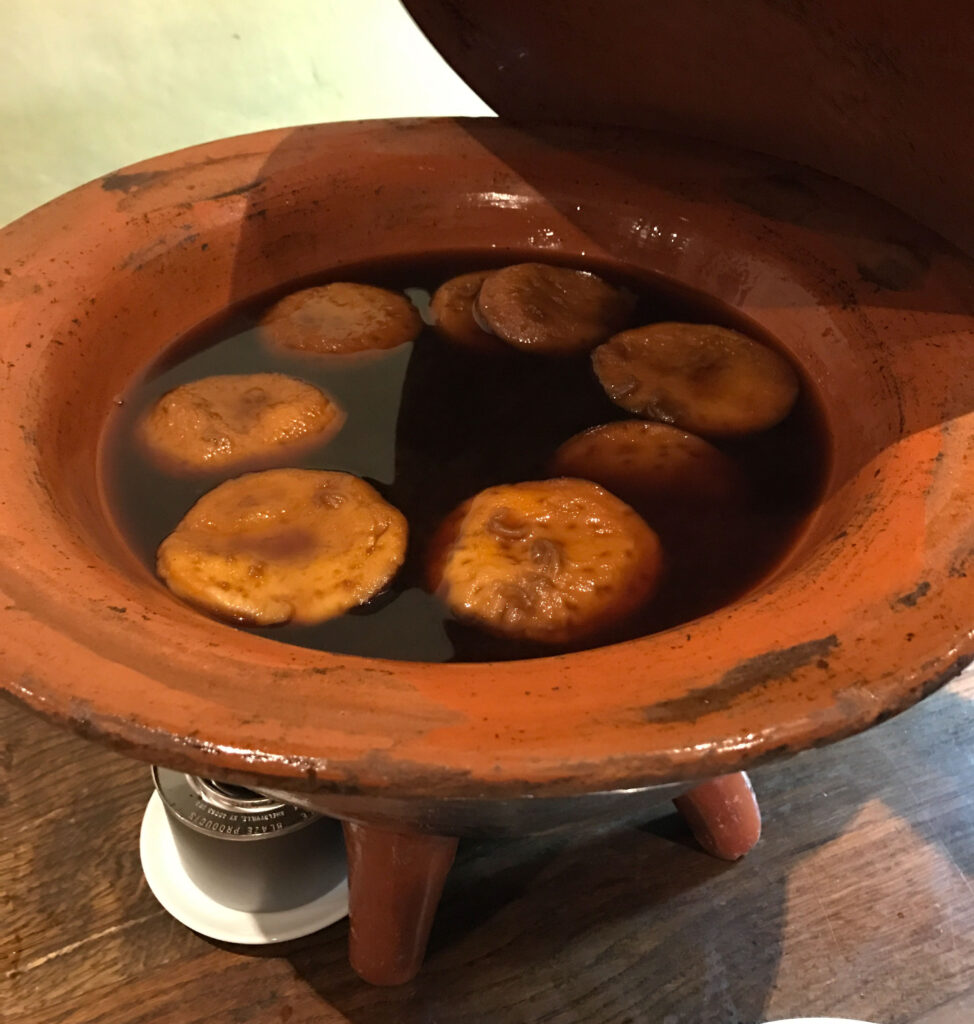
[[552, 310], [554, 561], [284, 545], [216, 423], [650, 465], [454, 316], [706, 379], [341, 318]]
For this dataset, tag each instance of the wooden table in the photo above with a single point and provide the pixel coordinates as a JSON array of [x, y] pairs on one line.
[[857, 903]]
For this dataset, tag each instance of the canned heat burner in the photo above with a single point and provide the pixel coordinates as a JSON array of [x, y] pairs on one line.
[[238, 866]]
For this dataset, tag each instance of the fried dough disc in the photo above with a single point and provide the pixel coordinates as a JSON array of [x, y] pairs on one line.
[[219, 422], [552, 310], [340, 317], [284, 545], [707, 379], [650, 465], [553, 561], [452, 307]]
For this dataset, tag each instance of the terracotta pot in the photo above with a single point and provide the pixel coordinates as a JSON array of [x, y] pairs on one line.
[[870, 611]]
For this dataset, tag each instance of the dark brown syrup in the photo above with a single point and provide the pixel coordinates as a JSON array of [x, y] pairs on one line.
[[429, 424]]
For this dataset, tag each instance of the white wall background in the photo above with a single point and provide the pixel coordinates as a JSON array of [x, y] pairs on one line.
[[87, 86]]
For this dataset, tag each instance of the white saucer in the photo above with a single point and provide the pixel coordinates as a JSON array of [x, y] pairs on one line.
[[192, 907]]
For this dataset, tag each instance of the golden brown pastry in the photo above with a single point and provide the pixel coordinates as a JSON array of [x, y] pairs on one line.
[[284, 545], [650, 465], [341, 318], [554, 561], [454, 316], [706, 379], [222, 422], [552, 310]]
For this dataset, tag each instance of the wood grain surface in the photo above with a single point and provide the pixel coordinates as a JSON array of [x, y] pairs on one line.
[[857, 903]]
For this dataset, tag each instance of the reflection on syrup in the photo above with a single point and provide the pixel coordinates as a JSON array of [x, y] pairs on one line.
[[429, 424]]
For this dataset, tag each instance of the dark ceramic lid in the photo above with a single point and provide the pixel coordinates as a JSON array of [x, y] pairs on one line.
[[824, 82]]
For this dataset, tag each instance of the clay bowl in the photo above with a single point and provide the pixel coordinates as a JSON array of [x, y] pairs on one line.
[[870, 611]]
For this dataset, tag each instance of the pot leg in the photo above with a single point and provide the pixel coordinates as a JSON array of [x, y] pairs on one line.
[[723, 815], [395, 880]]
